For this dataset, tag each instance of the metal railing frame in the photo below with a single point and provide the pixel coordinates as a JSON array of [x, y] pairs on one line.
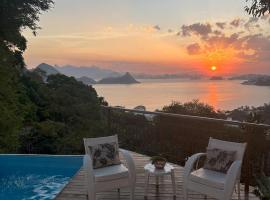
[[207, 119]]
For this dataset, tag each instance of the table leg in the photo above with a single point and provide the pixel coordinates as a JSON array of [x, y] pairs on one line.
[[147, 176], [162, 179], [157, 181], [173, 183]]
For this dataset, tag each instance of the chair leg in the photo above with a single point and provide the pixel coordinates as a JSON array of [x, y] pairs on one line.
[[185, 193], [238, 188], [91, 196], [173, 183], [147, 176], [132, 192]]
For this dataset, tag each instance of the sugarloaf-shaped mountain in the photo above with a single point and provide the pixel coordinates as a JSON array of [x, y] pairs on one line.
[[44, 70], [127, 78], [86, 80], [48, 69]]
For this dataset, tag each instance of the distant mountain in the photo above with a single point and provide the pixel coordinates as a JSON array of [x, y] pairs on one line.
[[125, 79], [45, 70], [50, 70], [216, 78], [86, 80], [91, 72]]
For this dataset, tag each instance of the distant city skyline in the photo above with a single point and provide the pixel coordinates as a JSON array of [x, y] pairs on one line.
[[153, 36]]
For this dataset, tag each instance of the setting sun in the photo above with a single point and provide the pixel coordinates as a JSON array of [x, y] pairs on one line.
[[213, 68]]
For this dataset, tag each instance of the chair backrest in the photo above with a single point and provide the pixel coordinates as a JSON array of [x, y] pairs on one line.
[[100, 140], [228, 146]]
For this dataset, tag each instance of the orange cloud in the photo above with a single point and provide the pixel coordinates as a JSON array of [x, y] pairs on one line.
[[227, 47]]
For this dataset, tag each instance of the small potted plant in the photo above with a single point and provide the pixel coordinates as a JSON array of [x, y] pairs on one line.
[[158, 161], [262, 189]]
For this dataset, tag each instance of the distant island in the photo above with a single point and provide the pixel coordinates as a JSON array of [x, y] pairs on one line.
[[86, 80], [259, 81], [125, 79], [216, 78], [253, 79]]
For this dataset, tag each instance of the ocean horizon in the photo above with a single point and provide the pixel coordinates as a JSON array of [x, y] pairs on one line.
[[156, 93]]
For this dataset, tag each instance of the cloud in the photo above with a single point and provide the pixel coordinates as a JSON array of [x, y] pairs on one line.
[[217, 32], [197, 29], [193, 49], [243, 41], [157, 27], [252, 23], [265, 17], [220, 42], [236, 22], [221, 25], [260, 44]]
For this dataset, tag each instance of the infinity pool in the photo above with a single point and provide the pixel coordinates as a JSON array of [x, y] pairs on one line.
[[24, 177]]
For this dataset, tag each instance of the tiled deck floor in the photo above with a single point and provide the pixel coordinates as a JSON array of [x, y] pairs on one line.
[[75, 189]]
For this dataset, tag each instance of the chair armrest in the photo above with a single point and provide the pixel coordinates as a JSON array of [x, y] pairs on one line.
[[190, 163], [233, 173], [89, 173], [87, 163], [130, 164], [231, 177]]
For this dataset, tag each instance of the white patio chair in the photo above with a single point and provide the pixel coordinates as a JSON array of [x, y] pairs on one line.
[[215, 184], [110, 177]]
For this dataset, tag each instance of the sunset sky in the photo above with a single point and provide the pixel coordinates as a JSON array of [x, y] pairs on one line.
[[153, 36]]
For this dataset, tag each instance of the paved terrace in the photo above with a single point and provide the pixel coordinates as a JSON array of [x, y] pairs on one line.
[[75, 189]]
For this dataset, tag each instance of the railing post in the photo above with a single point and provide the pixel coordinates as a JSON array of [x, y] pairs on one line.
[[248, 167], [109, 119]]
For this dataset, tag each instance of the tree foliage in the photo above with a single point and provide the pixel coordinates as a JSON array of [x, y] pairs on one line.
[[195, 108], [38, 117], [67, 111], [258, 8], [53, 117], [260, 114], [16, 15], [14, 108], [262, 189]]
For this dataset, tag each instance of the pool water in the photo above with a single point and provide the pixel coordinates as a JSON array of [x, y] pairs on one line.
[[24, 177]]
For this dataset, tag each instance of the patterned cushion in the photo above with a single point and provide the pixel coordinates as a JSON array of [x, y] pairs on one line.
[[219, 160], [104, 155]]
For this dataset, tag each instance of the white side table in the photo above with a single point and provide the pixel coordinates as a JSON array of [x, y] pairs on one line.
[[157, 173]]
